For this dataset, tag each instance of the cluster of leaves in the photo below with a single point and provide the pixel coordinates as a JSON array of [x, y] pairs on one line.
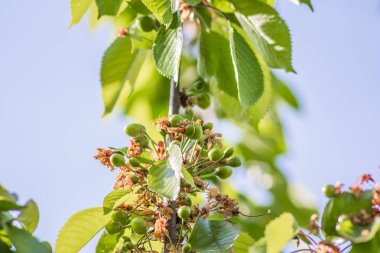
[[153, 178], [17, 223]]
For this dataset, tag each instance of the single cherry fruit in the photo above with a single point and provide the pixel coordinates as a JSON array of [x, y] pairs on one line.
[[117, 160], [175, 120], [119, 216], [113, 228], [184, 212], [228, 152], [142, 140], [208, 126], [203, 101], [139, 225], [126, 239], [329, 190], [198, 131], [134, 179], [128, 245], [186, 248], [224, 172], [189, 130], [146, 23], [215, 154], [134, 162], [134, 129], [234, 162]]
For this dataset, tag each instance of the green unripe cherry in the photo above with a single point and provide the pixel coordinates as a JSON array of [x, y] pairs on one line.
[[134, 179], [198, 131], [113, 228], [186, 248], [234, 162], [228, 152], [224, 172], [184, 212], [146, 23], [139, 226], [142, 140], [134, 129], [128, 245], [204, 101], [119, 216], [189, 130], [175, 120], [208, 125], [117, 160], [126, 239], [329, 190], [134, 162], [215, 154]]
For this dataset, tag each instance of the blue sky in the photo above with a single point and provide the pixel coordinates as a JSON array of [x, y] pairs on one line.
[[50, 103]]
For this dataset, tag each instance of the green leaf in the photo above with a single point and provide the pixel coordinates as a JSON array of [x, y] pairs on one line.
[[282, 89], [108, 7], [139, 7], [161, 9], [187, 176], [243, 242], [110, 200], [268, 31], [193, 2], [248, 73], [107, 243], [163, 180], [7, 204], [167, 50], [279, 232], [344, 203], [120, 66], [215, 60], [78, 9], [175, 159], [307, 2], [80, 229], [29, 216], [24, 242], [213, 236]]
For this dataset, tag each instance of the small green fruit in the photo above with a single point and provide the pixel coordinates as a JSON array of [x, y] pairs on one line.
[[134, 129], [228, 152], [134, 162], [204, 101], [139, 226], [134, 179], [146, 23], [215, 154], [126, 239], [119, 216], [224, 172], [186, 248], [117, 160], [142, 140], [234, 162], [128, 245], [184, 212], [113, 228], [208, 125], [189, 130], [329, 190], [175, 120], [198, 131]]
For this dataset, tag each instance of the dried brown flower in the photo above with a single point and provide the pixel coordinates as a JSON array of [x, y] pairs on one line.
[[160, 228], [104, 157]]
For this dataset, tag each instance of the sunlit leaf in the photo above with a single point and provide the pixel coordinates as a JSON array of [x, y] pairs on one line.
[[80, 229], [213, 236], [24, 242], [108, 7], [163, 180], [110, 200], [29, 216], [161, 9], [307, 2], [78, 9], [243, 242], [167, 50], [107, 243]]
